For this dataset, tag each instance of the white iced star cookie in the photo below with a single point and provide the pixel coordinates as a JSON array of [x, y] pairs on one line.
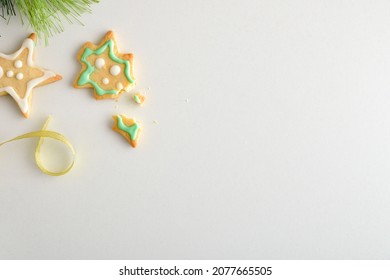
[[19, 76]]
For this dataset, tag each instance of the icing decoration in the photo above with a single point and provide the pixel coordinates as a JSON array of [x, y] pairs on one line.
[[41, 134], [100, 63], [21, 92], [1, 72], [107, 49], [115, 70], [18, 64], [139, 98], [85, 76], [119, 86], [105, 81], [136, 99], [129, 128], [19, 76]]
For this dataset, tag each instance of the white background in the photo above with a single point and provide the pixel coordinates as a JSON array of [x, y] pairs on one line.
[[282, 150], [110, 269]]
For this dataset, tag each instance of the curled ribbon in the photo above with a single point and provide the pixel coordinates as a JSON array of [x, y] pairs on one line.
[[41, 134]]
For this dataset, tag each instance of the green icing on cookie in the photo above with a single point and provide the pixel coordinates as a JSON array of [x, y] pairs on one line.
[[85, 76], [136, 99], [131, 130]]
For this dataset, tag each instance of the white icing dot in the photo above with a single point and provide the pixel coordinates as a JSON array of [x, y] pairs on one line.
[[105, 81], [119, 86], [18, 64], [115, 70], [10, 74], [1, 72], [19, 76], [99, 63]]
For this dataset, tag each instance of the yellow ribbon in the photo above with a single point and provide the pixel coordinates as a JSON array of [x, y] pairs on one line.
[[41, 134]]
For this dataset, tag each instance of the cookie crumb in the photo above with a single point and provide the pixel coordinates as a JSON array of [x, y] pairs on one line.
[[187, 100], [139, 98], [155, 122]]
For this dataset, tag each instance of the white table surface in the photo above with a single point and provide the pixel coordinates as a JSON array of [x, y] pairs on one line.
[[281, 152]]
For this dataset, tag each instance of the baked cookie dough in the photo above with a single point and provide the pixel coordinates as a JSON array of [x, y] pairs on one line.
[[104, 69], [19, 76], [128, 128], [139, 98]]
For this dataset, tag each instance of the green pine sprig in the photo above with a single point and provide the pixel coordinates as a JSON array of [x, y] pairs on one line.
[[7, 8], [46, 16]]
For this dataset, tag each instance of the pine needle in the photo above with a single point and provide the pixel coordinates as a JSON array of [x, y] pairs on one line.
[[46, 16], [7, 8]]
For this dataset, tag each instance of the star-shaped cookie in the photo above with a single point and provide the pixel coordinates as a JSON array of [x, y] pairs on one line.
[[104, 69], [19, 76], [128, 128]]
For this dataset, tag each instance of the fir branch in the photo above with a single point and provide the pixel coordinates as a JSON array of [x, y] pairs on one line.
[[46, 16], [7, 8]]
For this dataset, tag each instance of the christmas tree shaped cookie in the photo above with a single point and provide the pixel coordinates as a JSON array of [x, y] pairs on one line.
[[104, 69], [19, 76]]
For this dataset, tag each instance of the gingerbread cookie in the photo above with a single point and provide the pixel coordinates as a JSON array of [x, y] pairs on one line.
[[19, 76], [129, 128], [104, 69]]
